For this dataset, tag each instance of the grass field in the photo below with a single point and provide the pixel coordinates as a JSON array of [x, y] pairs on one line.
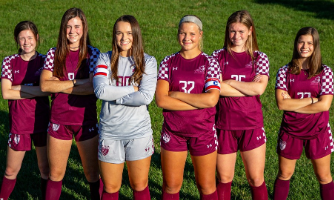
[[277, 23]]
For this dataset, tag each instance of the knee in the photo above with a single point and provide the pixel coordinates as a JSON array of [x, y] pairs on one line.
[[56, 174], [11, 173], [92, 175], [284, 175], [172, 187], [111, 188], [207, 187], [225, 178], [256, 181], [139, 186], [324, 178], [44, 169]]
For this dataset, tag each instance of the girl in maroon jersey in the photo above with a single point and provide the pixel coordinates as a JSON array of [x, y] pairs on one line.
[[188, 90], [67, 74], [304, 90], [245, 73], [20, 85]]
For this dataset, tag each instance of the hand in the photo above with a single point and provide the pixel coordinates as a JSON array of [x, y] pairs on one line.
[[257, 78], [286, 95], [315, 100], [135, 88], [16, 87]]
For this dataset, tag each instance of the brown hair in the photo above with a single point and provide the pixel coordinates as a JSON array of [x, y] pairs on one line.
[[315, 62], [137, 50], [63, 47], [242, 16], [25, 25]]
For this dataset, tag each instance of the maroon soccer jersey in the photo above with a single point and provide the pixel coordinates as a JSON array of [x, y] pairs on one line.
[[70, 109], [240, 113], [305, 126], [193, 76], [26, 116]]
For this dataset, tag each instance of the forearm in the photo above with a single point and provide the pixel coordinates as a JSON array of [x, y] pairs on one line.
[[55, 86], [135, 99], [85, 89], [248, 88], [201, 100], [33, 90], [228, 91], [294, 104], [323, 104], [169, 103], [16, 95]]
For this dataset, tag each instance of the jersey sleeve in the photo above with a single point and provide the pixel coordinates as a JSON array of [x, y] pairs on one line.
[[49, 60], [93, 58], [281, 82], [213, 75], [164, 69], [147, 86], [215, 54], [6, 69], [262, 64], [102, 82], [327, 81]]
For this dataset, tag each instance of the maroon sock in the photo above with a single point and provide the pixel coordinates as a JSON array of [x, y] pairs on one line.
[[260, 193], [224, 190], [166, 196], [7, 187], [94, 190], [101, 188], [110, 196], [43, 187], [53, 190], [142, 195], [327, 191], [212, 196], [281, 189]]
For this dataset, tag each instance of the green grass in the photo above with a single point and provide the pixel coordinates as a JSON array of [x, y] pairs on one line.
[[277, 23]]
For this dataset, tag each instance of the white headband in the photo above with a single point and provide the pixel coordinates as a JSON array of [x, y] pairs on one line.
[[193, 19]]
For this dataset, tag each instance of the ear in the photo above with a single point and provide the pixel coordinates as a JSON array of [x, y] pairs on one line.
[[37, 37], [200, 34]]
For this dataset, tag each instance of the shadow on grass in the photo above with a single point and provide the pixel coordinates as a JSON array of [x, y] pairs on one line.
[[322, 9]]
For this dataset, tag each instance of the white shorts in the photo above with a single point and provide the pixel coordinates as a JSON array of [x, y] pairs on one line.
[[119, 151]]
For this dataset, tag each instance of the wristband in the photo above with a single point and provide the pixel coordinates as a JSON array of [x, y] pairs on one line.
[[312, 100]]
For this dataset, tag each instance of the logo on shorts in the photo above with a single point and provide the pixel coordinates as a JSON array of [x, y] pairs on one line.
[[91, 129], [104, 149], [55, 127], [282, 144], [165, 137], [16, 138]]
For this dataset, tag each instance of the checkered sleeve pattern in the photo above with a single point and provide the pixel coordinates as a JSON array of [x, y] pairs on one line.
[[93, 58], [281, 78], [213, 68], [49, 59], [327, 81], [215, 55], [164, 69], [262, 64], [6, 70]]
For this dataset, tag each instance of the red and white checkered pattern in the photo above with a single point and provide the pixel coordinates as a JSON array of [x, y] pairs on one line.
[[163, 69], [262, 63], [326, 81], [281, 78], [213, 69], [48, 62], [6, 70]]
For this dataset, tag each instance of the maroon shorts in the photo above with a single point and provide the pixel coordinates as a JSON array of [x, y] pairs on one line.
[[66, 132], [199, 145], [230, 141], [292, 147], [23, 142]]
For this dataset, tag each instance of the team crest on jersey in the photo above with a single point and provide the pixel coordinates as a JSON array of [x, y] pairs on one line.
[[55, 127], [104, 149], [165, 137], [200, 70], [249, 65], [316, 81], [70, 76], [282, 144]]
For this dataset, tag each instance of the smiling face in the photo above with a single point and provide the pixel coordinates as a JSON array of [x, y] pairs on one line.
[[74, 31], [305, 46], [27, 41], [189, 36], [238, 35], [124, 38]]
